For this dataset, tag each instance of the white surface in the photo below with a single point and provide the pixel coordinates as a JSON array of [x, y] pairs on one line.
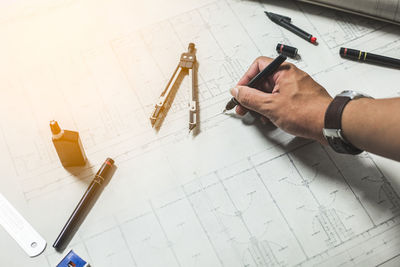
[[235, 194]]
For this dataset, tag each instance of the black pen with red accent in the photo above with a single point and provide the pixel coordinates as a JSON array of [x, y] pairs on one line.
[[286, 23], [369, 57]]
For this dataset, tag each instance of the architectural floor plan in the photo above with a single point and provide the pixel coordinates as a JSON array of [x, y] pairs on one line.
[[232, 194]]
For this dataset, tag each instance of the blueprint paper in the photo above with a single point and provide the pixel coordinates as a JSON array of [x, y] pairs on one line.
[[233, 195]]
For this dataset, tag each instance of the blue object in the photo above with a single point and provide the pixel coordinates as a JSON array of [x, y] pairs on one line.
[[72, 260]]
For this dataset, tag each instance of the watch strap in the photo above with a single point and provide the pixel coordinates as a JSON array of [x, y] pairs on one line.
[[333, 122], [333, 115]]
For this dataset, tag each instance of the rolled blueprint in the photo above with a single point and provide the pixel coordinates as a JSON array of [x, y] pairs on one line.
[[385, 10]]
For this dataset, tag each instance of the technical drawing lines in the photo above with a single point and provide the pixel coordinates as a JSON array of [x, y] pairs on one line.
[[136, 66], [392, 196], [169, 243], [333, 226], [341, 28], [281, 212], [262, 254], [245, 215], [202, 226]]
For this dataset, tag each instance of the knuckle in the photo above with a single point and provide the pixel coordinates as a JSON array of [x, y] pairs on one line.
[[291, 68], [286, 69], [266, 100], [260, 58], [302, 76], [265, 105]]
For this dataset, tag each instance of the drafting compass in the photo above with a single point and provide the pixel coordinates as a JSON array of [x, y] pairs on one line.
[[186, 62]]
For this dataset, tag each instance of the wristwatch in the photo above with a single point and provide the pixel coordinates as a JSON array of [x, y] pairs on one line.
[[333, 123]]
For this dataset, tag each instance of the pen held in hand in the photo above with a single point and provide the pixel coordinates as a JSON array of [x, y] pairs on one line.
[[266, 72]]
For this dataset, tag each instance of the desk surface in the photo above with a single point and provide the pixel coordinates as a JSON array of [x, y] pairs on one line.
[[232, 195]]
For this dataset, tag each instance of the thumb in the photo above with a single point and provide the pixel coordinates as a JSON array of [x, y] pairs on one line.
[[251, 98]]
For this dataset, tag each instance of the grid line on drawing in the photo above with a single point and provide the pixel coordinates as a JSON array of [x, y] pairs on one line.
[[267, 202], [344, 28], [221, 64], [214, 205]]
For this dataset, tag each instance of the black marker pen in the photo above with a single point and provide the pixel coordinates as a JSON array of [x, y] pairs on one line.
[[369, 57], [267, 71], [84, 205]]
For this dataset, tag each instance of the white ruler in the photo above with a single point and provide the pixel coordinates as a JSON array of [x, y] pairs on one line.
[[19, 229]]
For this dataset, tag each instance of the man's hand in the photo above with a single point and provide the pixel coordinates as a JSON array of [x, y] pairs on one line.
[[297, 103]]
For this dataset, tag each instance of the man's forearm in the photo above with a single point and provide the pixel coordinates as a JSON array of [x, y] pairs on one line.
[[374, 125], [298, 106]]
